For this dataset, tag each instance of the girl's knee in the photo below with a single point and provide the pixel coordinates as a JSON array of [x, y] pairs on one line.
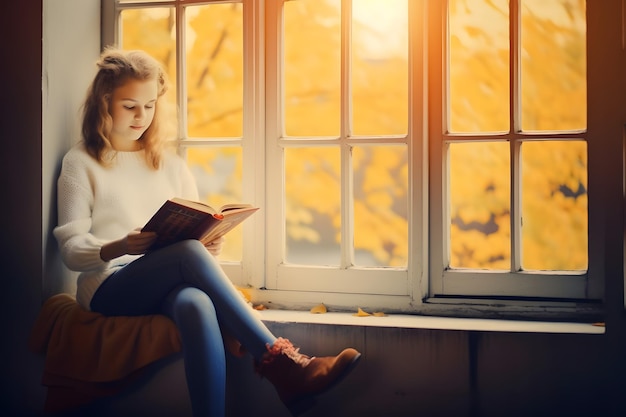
[[191, 301], [193, 250], [191, 246], [189, 253]]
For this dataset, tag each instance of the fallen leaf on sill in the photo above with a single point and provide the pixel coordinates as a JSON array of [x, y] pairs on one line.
[[319, 309], [361, 313], [600, 324], [259, 307], [245, 292], [378, 314]]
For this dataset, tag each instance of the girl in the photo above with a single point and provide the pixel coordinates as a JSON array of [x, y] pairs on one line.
[[111, 183]]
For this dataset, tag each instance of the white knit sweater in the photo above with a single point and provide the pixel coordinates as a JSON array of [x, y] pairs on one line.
[[98, 204]]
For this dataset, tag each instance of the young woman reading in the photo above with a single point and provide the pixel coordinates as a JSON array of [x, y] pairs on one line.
[[110, 184]]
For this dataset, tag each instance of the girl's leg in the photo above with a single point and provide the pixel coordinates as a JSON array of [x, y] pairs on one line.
[[203, 349], [141, 287]]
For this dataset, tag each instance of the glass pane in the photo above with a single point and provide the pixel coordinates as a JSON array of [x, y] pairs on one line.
[[160, 23], [478, 66], [312, 205], [480, 208], [553, 65], [380, 205], [218, 173], [311, 67], [554, 205], [214, 52], [380, 67]]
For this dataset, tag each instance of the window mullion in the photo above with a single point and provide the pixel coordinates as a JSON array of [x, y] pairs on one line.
[[347, 206], [437, 61], [181, 79], [514, 67], [516, 205], [418, 150], [515, 127], [253, 123], [274, 150]]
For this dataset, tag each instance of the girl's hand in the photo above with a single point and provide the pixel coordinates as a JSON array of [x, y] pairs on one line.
[[215, 247], [138, 242], [134, 243]]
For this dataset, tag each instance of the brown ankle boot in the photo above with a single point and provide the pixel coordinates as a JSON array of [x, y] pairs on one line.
[[299, 378]]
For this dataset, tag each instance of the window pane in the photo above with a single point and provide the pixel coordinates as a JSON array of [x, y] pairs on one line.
[[214, 52], [218, 173], [478, 66], [160, 23], [311, 67], [480, 208], [380, 67], [553, 65], [554, 205], [380, 205], [313, 218]]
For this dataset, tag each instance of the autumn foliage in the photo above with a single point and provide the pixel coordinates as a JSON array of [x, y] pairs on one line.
[[552, 173]]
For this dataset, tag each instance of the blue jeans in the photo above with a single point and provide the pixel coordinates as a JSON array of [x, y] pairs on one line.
[[186, 283]]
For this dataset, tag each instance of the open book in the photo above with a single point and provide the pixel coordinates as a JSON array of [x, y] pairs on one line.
[[180, 219]]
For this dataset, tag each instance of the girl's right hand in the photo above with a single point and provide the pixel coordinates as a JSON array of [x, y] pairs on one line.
[[134, 243], [138, 242]]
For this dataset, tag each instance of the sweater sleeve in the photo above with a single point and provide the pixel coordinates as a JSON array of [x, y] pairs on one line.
[[79, 249]]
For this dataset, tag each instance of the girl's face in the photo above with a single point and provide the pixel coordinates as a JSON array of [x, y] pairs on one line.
[[132, 107]]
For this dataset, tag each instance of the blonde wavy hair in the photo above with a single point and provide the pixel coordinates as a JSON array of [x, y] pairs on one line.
[[115, 68]]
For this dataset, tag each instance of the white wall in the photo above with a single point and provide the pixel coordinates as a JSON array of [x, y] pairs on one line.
[[37, 122], [70, 49]]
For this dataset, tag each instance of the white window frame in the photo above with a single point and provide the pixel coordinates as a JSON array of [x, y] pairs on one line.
[[515, 282], [418, 288], [346, 285]]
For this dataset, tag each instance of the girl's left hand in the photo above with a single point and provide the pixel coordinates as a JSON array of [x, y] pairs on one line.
[[215, 247]]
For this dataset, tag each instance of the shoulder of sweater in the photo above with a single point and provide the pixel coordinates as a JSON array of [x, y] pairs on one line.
[[171, 160], [77, 154], [170, 156]]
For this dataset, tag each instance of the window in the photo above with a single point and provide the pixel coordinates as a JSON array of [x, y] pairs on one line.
[[400, 150], [338, 79], [509, 172]]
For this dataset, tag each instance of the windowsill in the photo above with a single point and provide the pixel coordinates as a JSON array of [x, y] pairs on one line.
[[431, 323]]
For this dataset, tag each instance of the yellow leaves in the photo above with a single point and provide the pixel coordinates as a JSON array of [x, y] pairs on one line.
[[312, 177], [247, 296], [362, 313], [554, 229], [379, 199], [480, 205], [298, 223], [319, 309], [382, 233], [299, 232], [245, 292], [380, 223], [554, 205], [554, 232], [479, 81]]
